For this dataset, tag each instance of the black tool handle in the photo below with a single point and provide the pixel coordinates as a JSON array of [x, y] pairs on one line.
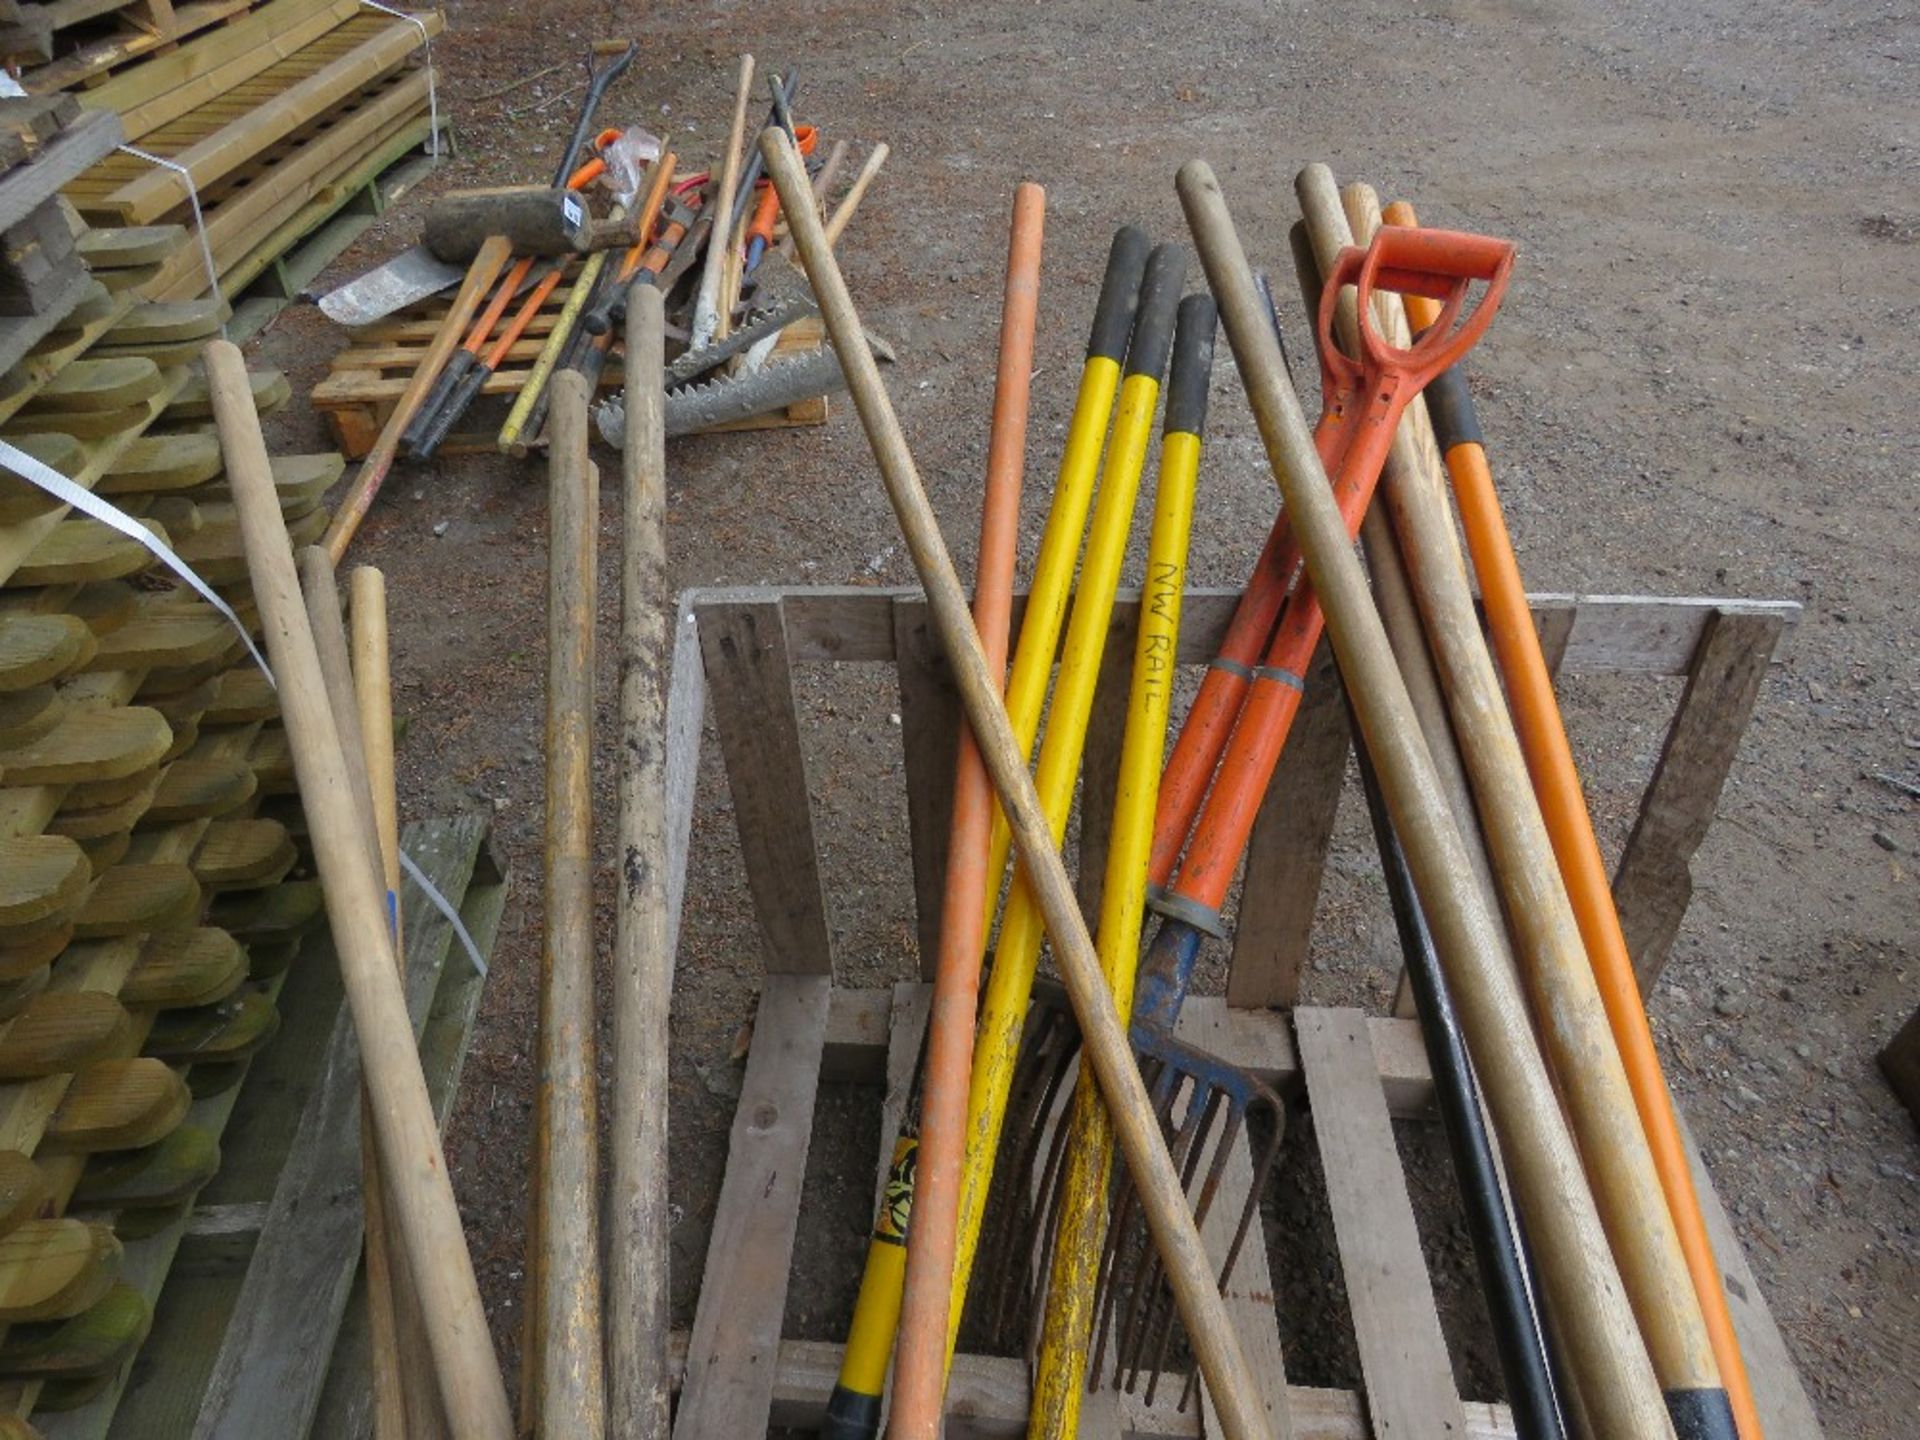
[[1119, 294], [450, 413], [743, 195], [444, 385], [1450, 403], [1159, 303], [1193, 334], [1517, 1334]]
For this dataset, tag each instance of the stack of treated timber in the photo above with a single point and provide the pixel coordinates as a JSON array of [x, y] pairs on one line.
[[63, 43], [149, 855], [278, 118], [44, 144]]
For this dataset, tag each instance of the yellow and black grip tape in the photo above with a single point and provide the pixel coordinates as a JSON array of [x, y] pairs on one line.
[[1193, 336], [1119, 293], [1159, 302]]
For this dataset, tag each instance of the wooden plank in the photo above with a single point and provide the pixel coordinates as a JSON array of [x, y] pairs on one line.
[[1636, 634], [735, 1344], [1785, 1411], [157, 191], [1654, 882], [273, 1358], [1403, 1355], [987, 1400], [288, 181], [750, 682], [1287, 853], [929, 735], [169, 86], [67, 155], [1248, 1293], [346, 1409]]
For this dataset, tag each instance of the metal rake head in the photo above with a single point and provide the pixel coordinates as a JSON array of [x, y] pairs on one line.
[[1203, 1105]]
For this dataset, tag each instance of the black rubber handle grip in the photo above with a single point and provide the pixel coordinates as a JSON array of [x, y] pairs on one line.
[[451, 412], [444, 385], [1193, 334], [1450, 403], [1119, 293], [1159, 302]]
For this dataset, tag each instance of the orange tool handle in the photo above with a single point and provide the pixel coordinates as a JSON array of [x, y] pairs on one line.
[[529, 308], [517, 276], [1556, 781], [1353, 439], [920, 1348], [767, 206]]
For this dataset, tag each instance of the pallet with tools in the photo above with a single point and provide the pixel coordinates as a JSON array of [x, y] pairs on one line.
[[455, 342], [1069, 1237]]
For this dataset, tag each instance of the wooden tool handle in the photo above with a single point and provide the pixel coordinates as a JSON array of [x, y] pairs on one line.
[[1163, 1200], [639, 1386], [410, 1152], [1583, 1284]]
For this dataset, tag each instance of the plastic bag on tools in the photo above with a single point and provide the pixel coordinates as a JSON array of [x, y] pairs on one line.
[[627, 159]]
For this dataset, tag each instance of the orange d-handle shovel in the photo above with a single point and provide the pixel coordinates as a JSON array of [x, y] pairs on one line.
[[1362, 401], [1556, 780]]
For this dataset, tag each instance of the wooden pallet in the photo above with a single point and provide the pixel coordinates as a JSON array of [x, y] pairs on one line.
[[1355, 1072], [366, 380]]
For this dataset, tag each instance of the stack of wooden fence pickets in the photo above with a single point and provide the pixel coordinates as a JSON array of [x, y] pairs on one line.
[[147, 840], [153, 880]]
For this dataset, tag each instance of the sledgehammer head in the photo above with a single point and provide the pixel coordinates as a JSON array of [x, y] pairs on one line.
[[535, 220]]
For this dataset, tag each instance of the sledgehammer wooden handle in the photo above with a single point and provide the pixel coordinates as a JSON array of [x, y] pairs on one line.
[[1105, 1041], [410, 1153]]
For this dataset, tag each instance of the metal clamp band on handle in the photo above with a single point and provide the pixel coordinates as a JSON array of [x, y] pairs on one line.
[[426, 46], [199, 222]]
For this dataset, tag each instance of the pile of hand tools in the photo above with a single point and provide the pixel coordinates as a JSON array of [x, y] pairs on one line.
[[1608, 1304], [542, 284]]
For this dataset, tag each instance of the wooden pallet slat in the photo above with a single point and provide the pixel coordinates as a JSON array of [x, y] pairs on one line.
[[736, 1329], [1403, 1355], [750, 683]]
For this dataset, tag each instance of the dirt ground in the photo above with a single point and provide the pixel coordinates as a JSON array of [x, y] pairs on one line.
[[1699, 386]]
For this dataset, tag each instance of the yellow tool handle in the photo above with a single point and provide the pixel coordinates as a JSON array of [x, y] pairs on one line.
[[1016, 956], [1081, 1225]]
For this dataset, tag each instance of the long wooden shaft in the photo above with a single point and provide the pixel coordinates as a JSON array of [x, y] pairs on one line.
[[1104, 1039], [1574, 1026], [639, 1385], [919, 1384], [1556, 779], [1579, 1270], [424, 1418], [570, 1370], [492, 258], [719, 203], [409, 1138], [384, 1319], [856, 192]]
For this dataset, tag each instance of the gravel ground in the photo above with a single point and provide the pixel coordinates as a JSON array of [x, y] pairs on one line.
[[1698, 386]]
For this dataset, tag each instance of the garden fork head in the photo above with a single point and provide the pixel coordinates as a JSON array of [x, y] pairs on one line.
[[1203, 1105]]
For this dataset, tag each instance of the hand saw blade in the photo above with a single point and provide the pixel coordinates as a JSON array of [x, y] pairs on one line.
[[781, 382], [781, 297]]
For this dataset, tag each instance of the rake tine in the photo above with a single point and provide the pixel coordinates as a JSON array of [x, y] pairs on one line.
[[1144, 1302], [1217, 1101]]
